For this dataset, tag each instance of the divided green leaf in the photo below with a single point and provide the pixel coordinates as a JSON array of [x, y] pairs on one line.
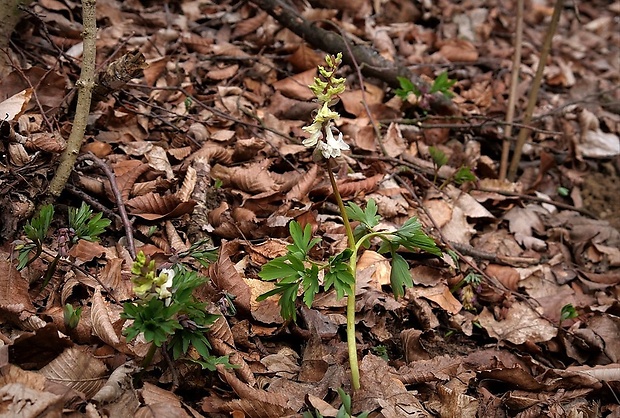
[[438, 156]]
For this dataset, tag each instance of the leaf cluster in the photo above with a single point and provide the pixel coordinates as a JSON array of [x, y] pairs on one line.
[[295, 269], [442, 85], [410, 236], [85, 224]]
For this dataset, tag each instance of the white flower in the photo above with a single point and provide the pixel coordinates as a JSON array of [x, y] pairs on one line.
[[315, 134], [333, 147], [163, 289]]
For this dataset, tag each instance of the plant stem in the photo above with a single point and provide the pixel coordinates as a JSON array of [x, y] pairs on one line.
[[351, 341], [149, 356]]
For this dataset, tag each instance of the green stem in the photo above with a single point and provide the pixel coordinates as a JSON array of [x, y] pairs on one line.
[[149, 356], [351, 341]]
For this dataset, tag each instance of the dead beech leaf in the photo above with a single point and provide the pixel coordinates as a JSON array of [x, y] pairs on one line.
[[252, 400], [522, 324], [303, 185], [175, 239], [158, 160], [254, 178], [225, 276], [78, 370], [223, 73], [127, 172], [154, 206], [305, 58], [296, 86], [212, 153], [189, 183], [53, 143], [393, 141], [180, 153], [248, 26], [13, 107], [100, 318], [508, 276], [87, 250], [459, 50]]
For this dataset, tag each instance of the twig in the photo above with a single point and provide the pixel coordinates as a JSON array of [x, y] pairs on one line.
[[512, 98], [542, 200], [85, 86], [91, 201], [529, 111], [118, 197]]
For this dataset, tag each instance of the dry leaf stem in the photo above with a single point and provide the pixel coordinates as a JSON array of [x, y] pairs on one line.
[[529, 111], [512, 98]]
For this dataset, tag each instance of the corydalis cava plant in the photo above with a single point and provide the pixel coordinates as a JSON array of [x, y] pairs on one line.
[[166, 311], [296, 268]]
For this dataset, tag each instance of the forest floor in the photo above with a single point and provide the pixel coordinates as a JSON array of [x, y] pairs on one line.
[[519, 317]]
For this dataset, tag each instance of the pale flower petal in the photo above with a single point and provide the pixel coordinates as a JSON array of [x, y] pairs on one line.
[[333, 147], [315, 134]]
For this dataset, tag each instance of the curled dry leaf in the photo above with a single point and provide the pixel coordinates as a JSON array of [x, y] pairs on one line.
[[13, 107], [212, 153], [255, 178], [53, 143], [119, 381], [175, 239], [153, 206], [126, 173], [100, 317]]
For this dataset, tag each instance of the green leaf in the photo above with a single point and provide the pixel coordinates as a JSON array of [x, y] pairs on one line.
[[442, 84], [568, 312], [464, 174], [346, 400], [302, 240], [36, 229], [368, 216], [86, 225], [310, 284], [339, 276], [400, 276], [406, 87], [281, 267], [439, 157], [411, 236]]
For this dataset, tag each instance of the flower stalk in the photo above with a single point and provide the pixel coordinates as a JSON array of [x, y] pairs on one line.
[[351, 341]]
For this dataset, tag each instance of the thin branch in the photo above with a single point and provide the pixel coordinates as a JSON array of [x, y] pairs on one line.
[[532, 99], [512, 98], [118, 197]]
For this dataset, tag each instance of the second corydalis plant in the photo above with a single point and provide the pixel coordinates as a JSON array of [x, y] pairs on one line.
[[297, 268]]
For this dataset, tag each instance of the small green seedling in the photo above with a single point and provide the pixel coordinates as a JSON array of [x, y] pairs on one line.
[[439, 158], [83, 225], [71, 315], [423, 94], [343, 412], [568, 312]]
